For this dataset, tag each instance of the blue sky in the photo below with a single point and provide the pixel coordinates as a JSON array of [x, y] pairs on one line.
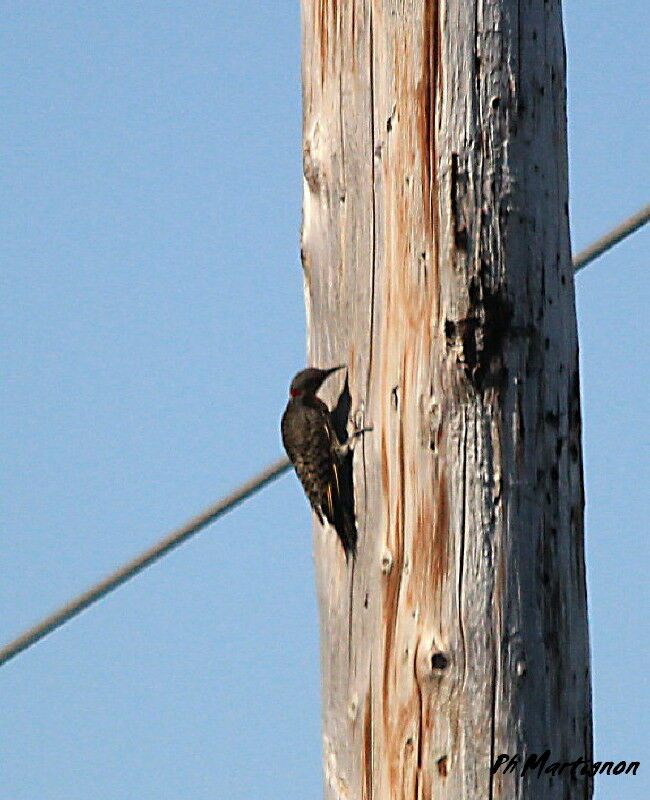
[[149, 220]]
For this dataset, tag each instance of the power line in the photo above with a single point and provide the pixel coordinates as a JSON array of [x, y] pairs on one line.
[[616, 235], [212, 513], [140, 562]]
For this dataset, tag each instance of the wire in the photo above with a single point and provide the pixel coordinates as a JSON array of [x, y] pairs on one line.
[[603, 244], [140, 562], [212, 513]]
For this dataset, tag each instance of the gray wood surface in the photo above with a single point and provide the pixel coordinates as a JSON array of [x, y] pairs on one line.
[[436, 257]]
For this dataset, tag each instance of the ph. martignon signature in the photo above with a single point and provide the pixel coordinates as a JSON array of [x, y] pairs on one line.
[[540, 764]]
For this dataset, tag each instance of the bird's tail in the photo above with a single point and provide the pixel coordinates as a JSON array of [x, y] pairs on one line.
[[347, 530]]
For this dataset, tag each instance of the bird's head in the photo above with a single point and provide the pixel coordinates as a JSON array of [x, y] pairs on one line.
[[308, 381]]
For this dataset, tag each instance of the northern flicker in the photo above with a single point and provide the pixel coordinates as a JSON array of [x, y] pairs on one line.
[[316, 453]]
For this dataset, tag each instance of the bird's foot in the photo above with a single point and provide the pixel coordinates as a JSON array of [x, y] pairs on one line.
[[347, 447]]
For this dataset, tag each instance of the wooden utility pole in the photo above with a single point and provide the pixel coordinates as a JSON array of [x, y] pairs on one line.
[[437, 265]]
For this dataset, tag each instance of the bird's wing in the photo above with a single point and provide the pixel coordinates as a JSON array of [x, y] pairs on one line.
[[334, 486]]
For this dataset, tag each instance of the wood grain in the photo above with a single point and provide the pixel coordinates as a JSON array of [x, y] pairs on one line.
[[437, 265]]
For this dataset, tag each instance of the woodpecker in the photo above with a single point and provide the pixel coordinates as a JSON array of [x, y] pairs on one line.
[[316, 453]]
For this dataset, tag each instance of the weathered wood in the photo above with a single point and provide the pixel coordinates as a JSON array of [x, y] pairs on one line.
[[436, 258]]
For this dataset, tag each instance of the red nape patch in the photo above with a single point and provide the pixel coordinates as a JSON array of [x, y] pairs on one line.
[[294, 392]]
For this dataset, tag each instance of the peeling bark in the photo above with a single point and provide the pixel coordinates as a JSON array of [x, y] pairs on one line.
[[436, 258]]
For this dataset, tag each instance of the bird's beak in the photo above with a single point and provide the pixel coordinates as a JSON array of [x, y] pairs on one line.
[[334, 369]]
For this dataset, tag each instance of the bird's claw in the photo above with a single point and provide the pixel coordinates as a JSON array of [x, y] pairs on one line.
[[348, 446]]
